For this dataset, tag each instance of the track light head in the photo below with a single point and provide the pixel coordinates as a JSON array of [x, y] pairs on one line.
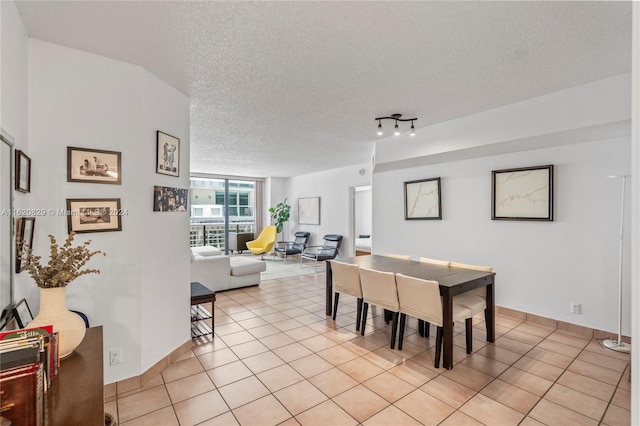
[[396, 117], [413, 129], [379, 128]]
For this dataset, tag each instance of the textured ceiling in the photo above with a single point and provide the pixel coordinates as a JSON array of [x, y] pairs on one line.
[[288, 88]]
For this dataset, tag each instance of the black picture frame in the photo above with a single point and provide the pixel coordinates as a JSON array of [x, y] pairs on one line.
[[24, 232], [23, 172], [94, 215], [22, 313], [167, 154], [94, 166], [423, 199], [166, 199], [524, 193]]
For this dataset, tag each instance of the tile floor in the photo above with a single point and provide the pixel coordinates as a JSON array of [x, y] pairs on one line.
[[277, 360]]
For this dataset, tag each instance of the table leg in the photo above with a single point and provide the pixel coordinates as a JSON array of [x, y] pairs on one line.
[[329, 281], [447, 325], [490, 314]]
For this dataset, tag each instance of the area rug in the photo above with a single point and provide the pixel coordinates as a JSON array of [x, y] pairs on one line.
[[278, 269]]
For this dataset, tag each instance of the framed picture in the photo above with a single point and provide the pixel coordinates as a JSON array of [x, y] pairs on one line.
[[94, 215], [93, 165], [24, 232], [170, 199], [309, 211], [23, 172], [422, 199], [22, 313], [522, 194], [168, 154]]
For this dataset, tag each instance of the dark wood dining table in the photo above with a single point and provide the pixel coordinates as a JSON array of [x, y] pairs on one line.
[[452, 281]]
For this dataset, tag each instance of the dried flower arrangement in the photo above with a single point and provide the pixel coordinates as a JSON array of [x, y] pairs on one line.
[[64, 265]]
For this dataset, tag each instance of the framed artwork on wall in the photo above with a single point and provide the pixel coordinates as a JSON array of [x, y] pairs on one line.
[[23, 172], [93, 165], [94, 215], [309, 211], [167, 199], [167, 154], [24, 232], [22, 313], [524, 193], [422, 199]]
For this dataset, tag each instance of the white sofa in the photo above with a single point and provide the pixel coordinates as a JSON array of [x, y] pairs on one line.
[[218, 272]]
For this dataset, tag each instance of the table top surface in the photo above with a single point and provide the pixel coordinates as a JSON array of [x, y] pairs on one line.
[[446, 276]]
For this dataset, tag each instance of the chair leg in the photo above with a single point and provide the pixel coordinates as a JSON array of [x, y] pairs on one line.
[[394, 329], [438, 346], [421, 327], [364, 317], [335, 304], [359, 314], [468, 331], [427, 328], [387, 316], [403, 319]]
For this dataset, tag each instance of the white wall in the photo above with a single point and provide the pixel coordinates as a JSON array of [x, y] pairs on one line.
[[141, 297], [334, 187], [363, 213]]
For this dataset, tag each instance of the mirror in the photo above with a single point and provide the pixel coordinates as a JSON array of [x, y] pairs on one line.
[[6, 225]]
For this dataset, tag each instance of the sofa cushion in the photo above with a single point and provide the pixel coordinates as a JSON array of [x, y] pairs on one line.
[[206, 251], [243, 266]]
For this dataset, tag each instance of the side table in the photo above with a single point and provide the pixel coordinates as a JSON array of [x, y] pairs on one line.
[[199, 295]]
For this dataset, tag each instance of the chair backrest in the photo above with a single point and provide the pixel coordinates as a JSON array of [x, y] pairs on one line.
[[379, 288], [300, 242], [435, 261], [346, 278], [267, 237], [331, 245], [474, 267], [399, 256], [420, 298]]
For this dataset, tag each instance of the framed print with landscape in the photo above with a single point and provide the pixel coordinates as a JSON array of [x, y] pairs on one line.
[[22, 313], [422, 199], [94, 215], [24, 232], [23, 172], [168, 154], [93, 165], [524, 193], [309, 211]]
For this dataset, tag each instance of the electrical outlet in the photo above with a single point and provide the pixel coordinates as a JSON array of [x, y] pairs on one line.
[[575, 308], [115, 356]]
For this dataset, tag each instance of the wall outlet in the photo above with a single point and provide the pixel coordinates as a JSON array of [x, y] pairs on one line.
[[575, 308], [115, 356]]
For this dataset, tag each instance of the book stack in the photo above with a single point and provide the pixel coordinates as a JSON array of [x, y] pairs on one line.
[[29, 363]]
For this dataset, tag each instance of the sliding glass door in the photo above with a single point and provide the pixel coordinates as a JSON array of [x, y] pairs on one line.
[[221, 207]]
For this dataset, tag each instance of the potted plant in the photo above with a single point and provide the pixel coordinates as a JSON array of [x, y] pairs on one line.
[[65, 265], [280, 214]]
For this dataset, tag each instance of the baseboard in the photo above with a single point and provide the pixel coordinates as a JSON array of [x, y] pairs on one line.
[[591, 333]]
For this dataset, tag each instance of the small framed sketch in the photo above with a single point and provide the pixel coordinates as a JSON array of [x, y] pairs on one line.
[[22, 313], [24, 233], [170, 199], [524, 193], [309, 211], [94, 215], [93, 165], [422, 199], [168, 154], [23, 172]]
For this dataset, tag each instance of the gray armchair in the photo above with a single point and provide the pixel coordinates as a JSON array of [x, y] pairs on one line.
[[329, 250], [290, 248]]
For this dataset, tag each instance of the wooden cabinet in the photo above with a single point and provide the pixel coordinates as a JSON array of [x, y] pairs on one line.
[[238, 241]]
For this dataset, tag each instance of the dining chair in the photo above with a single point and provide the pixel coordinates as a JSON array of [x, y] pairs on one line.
[[423, 329], [421, 299], [435, 261], [476, 299], [379, 289], [346, 279], [399, 256]]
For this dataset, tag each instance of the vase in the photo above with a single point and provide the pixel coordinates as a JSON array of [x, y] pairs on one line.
[[53, 311]]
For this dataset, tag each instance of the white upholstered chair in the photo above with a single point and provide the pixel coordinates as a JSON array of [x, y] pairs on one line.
[[346, 279], [421, 299], [379, 289]]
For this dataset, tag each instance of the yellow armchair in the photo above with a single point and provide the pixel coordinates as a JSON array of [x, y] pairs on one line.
[[264, 242]]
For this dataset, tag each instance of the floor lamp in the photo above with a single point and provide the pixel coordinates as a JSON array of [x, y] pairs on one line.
[[618, 345]]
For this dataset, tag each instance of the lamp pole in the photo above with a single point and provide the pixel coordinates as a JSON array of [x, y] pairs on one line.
[[618, 345]]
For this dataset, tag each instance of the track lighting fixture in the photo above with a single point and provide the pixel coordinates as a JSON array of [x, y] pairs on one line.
[[396, 117]]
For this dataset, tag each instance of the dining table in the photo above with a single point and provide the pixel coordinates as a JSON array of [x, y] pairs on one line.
[[452, 281]]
